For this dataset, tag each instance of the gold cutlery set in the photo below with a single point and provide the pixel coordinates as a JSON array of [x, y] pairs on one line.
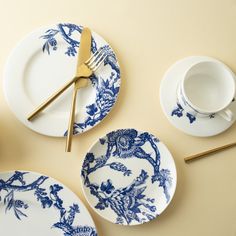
[[86, 66]]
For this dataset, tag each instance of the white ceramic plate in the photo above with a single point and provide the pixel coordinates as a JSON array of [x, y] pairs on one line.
[[196, 126], [44, 61], [34, 204], [129, 177]]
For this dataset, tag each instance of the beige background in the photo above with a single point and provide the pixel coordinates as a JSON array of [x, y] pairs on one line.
[[149, 34]]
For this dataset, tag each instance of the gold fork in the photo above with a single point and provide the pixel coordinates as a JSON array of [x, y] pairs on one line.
[[93, 65], [84, 71]]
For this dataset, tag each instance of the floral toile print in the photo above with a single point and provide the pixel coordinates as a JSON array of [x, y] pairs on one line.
[[107, 89], [179, 112], [46, 197], [130, 203]]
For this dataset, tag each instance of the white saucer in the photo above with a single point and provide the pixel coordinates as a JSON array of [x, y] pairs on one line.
[[196, 126], [42, 63]]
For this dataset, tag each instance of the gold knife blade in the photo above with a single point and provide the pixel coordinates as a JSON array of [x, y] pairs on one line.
[[84, 47]]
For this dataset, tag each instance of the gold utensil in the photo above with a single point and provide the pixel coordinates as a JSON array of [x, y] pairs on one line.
[[81, 83], [86, 70], [83, 55], [211, 151]]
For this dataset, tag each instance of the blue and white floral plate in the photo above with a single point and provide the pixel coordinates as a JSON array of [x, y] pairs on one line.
[[44, 61], [129, 177], [35, 204], [193, 125]]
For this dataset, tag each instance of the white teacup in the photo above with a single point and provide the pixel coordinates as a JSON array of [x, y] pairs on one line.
[[207, 88]]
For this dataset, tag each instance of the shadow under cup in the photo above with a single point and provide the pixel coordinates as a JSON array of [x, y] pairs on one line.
[[209, 87]]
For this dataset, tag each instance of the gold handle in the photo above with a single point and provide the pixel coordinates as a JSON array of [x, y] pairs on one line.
[[71, 122], [51, 99], [203, 154]]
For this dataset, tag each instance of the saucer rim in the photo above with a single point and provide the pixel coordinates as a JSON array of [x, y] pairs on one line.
[[170, 118]]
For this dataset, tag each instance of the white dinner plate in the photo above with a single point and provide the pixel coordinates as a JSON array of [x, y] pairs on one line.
[[129, 177], [35, 204], [43, 62], [193, 125]]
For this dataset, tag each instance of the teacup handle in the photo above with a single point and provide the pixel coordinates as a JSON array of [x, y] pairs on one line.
[[227, 114]]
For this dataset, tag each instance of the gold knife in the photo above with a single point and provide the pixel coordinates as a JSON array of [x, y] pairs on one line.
[[83, 55]]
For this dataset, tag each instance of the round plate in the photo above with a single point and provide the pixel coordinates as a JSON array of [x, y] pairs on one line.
[[43, 62], [30, 201], [129, 177], [196, 126]]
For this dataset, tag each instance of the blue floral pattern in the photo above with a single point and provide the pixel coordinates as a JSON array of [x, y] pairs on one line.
[[48, 198], [130, 203], [107, 89], [179, 112]]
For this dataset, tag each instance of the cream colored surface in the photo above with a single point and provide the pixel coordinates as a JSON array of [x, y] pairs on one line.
[[149, 34]]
